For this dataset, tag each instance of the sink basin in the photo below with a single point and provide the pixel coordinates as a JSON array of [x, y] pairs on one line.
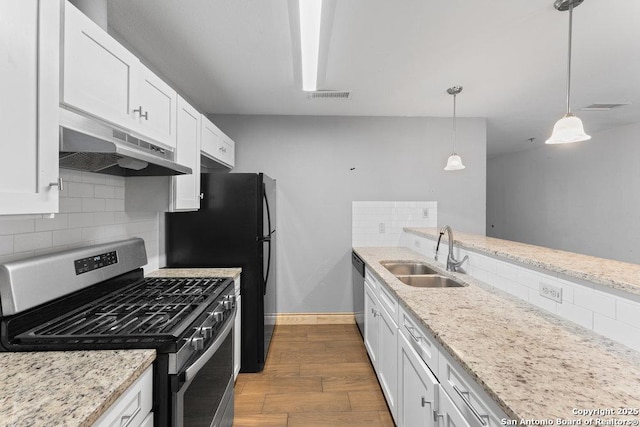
[[432, 281], [407, 268]]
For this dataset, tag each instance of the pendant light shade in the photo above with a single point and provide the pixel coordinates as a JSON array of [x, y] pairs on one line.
[[569, 128], [454, 162]]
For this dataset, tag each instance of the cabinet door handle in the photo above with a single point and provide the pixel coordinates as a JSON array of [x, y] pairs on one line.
[[201, 196], [139, 111], [224, 150], [410, 329], [424, 402], [58, 184], [464, 395]]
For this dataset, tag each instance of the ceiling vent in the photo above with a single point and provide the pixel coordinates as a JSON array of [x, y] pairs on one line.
[[603, 107], [329, 94]]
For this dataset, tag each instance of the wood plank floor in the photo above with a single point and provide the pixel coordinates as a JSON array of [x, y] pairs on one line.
[[315, 375]]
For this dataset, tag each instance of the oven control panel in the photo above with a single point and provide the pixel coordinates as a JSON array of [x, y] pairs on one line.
[[85, 265]]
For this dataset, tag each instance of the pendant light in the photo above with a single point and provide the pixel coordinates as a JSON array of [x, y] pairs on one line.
[[569, 128], [454, 162]]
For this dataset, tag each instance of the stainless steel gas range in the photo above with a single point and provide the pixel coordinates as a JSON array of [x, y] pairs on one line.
[[97, 297]]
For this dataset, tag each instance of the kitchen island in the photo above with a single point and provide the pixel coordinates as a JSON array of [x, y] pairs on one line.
[[533, 364]]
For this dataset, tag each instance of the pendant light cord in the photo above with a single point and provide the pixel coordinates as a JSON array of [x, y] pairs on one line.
[[569, 60], [454, 123]]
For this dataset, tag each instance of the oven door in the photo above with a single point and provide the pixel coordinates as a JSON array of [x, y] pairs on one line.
[[205, 395]]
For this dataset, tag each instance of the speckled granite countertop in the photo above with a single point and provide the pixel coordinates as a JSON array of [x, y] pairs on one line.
[[533, 364], [196, 272], [615, 274], [72, 388]]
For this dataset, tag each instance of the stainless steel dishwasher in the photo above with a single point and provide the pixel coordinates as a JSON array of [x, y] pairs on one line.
[[357, 277]]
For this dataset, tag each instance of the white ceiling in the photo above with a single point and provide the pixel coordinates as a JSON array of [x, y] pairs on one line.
[[397, 58]]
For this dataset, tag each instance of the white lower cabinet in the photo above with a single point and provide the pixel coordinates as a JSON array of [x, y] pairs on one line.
[[423, 385], [380, 339], [417, 388], [133, 407], [371, 310]]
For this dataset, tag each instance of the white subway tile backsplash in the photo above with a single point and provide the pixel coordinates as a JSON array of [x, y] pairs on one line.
[[15, 226], [93, 205], [596, 301], [617, 331], [69, 175], [77, 220], [576, 314], [628, 312], [93, 178], [6, 245], [31, 241], [367, 216], [105, 192], [104, 218], [91, 211], [70, 204], [542, 302], [67, 237], [58, 222], [79, 189]]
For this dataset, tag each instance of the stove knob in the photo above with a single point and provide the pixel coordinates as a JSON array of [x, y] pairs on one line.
[[206, 331], [228, 305], [197, 343], [218, 316]]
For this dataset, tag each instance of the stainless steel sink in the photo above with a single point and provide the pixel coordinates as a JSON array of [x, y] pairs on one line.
[[401, 268], [430, 281]]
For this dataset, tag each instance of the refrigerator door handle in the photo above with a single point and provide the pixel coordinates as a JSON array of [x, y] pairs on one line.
[[267, 239]]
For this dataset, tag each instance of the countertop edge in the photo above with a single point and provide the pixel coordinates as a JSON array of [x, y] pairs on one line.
[[233, 272], [119, 391], [541, 259]]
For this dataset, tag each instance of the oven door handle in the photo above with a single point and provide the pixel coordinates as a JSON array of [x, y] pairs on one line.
[[195, 367]]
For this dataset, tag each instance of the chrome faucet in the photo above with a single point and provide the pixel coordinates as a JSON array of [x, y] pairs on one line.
[[452, 263]]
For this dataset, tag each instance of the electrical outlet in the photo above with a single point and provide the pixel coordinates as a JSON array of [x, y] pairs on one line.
[[425, 213], [381, 228], [416, 243], [552, 292]]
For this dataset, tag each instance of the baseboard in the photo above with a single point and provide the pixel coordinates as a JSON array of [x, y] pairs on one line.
[[311, 319]]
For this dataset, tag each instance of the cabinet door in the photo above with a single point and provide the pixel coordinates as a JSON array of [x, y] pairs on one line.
[[226, 150], [448, 413], [371, 334], [186, 188], [157, 102], [211, 139], [416, 388], [100, 75], [388, 358], [29, 75]]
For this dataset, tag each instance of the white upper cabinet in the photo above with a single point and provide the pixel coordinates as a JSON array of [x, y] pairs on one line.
[[103, 79], [186, 188], [157, 105], [29, 78], [100, 76], [217, 146]]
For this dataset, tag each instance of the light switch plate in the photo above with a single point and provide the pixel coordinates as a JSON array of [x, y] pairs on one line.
[[425, 213], [381, 228]]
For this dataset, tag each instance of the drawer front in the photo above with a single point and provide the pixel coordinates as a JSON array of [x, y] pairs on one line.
[[371, 282], [131, 409], [474, 404], [388, 301], [420, 340]]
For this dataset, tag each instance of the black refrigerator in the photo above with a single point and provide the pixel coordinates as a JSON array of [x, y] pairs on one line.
[[235, 227]]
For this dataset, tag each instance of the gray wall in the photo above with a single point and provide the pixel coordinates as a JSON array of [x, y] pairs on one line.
[[582, 197], [312, 157]]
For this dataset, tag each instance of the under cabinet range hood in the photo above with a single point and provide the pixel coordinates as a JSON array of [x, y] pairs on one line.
[[90, 145]]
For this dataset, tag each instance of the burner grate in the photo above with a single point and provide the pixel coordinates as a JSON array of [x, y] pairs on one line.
[[150, 307]]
